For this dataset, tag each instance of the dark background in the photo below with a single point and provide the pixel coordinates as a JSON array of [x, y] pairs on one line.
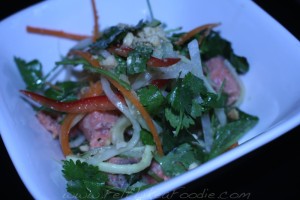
[[270, 172]]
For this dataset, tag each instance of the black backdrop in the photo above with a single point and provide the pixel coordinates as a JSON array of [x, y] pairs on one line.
[[270, 172]]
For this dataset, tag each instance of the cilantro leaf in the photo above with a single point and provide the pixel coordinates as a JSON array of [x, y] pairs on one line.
[[178, 121], [84, 181], [196, 109], [151, 98], [185, 90], [82, 171], [31, 73], [182, 99]]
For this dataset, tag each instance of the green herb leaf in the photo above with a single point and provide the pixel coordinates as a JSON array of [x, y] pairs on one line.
[[115, 34], [185, 91], [107, 73], [137, 59], [31, 73], [178, 160], [64, 91], [214, 45], [73, 61], [84, 181], [227, 135], [178, 121], [121, 68], [151, 98], [146, 137]]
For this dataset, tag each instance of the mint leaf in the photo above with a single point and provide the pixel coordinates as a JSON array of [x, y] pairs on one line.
[[178, 160], [230, 133]]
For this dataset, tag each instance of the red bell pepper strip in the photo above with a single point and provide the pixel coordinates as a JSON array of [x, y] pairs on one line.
[[165, 62], [160, 83], [124, 51], [85, 105]]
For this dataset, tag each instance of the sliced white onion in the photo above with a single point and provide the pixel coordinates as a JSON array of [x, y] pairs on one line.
[[129, 168], [125, 168], [141, 80], [207, 131], [177, 70], [135, 152], [220, 113], [117, 132], [77, 141], [194, 52]]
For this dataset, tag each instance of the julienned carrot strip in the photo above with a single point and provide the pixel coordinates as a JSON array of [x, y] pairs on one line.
[[96, 25], [64, 133], [56, 33], [131, 97], [193, 32]]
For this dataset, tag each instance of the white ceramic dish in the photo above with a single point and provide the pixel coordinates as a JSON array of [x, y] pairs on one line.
[[272, 84]]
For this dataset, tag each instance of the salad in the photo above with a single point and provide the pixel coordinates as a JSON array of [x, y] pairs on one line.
[[140, 104]]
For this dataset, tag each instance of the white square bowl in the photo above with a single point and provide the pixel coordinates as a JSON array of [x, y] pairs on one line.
[[272, 84]]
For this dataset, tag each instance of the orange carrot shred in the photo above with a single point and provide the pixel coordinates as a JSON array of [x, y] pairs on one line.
[[96, 24], [131, 97], [57, 33], [64, 133], [193, 32]]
